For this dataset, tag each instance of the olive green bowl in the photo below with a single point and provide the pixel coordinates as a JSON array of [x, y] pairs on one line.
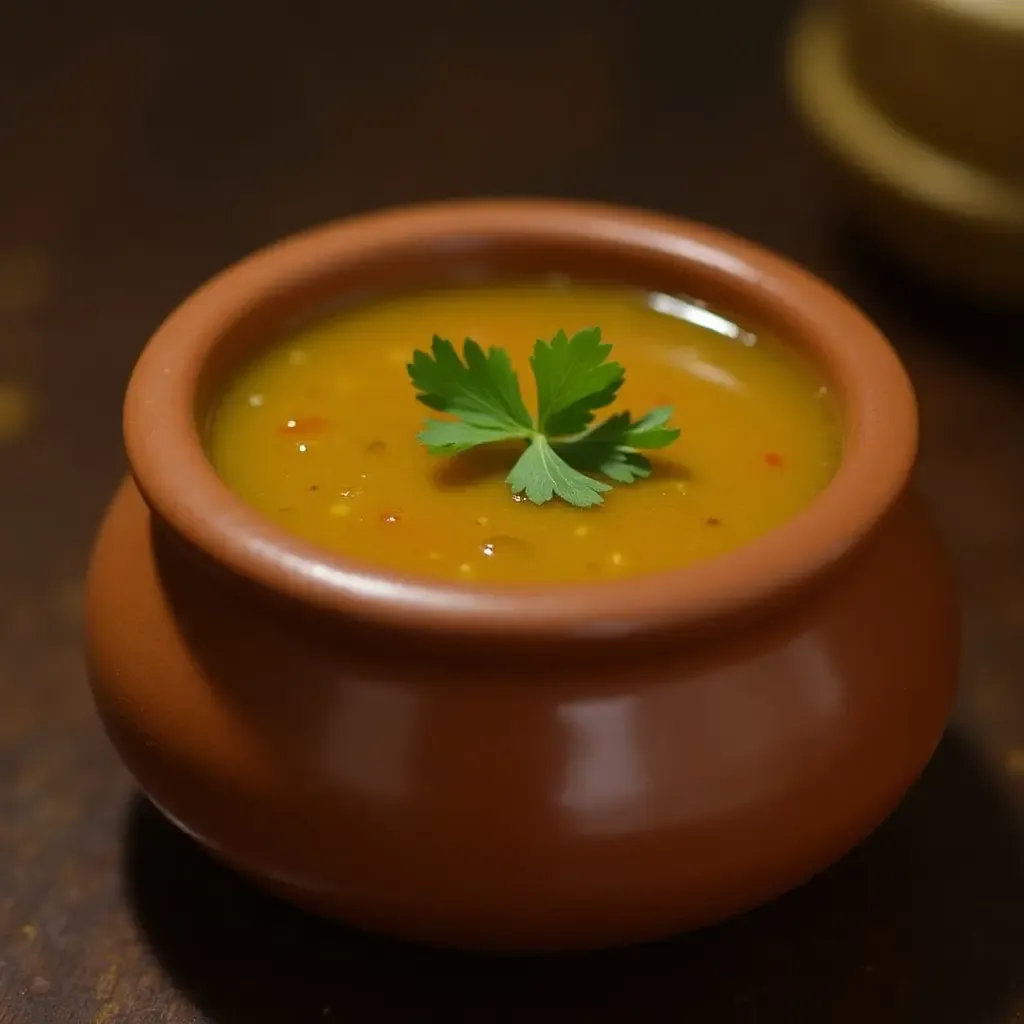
[[868, 78]]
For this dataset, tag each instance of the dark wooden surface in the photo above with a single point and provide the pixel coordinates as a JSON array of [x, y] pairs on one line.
[[142, 147]]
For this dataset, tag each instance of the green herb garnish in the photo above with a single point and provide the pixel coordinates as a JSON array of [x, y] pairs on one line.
[[574, 379]]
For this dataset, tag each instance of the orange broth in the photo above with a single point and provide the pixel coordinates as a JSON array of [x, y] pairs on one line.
[[319, 433]]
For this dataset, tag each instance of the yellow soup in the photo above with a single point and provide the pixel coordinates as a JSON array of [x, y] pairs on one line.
[[319, 433]]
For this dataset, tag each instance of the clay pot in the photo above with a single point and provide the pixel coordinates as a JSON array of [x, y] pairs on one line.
[[519, 768]]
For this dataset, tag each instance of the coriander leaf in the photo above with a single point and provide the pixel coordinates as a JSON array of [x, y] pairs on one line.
[[483, 391], [497, 379], [449, 437], [609, 431], [541, 473], [573, 379], [610, 446], [625, 467], [650, 431]]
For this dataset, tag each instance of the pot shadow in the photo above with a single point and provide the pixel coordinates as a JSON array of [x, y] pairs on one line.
[[476, 465], [921, 923]]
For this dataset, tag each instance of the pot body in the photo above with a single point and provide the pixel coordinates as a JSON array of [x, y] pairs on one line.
[[498, 798]]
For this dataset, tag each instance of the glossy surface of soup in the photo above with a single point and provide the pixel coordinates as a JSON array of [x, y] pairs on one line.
[[319, 433]]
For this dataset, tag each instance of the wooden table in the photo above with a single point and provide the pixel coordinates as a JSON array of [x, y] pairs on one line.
[[147, 145]]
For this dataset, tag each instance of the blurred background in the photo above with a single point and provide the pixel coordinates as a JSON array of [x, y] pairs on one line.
[[145, 146]]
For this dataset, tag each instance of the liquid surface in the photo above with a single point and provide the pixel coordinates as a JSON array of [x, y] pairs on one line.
[[319, 433]]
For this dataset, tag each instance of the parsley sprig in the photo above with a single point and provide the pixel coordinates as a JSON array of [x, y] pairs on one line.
[[565, 451]]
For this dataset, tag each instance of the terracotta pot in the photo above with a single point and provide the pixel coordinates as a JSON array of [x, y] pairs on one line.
[[519, 768]]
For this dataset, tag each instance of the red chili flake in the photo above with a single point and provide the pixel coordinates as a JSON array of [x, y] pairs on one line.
[[304, 426], [773, 459], [314, 487], [713, 521], [663, 400], [377, 447]]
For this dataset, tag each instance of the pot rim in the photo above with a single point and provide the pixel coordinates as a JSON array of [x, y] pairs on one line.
[[170, 467]]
